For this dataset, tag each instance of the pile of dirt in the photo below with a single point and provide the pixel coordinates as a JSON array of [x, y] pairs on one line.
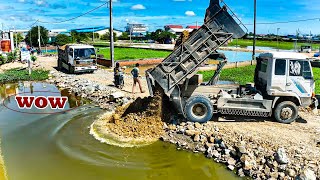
[[140, 121]]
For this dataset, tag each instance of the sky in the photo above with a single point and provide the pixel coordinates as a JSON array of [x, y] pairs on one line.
[[21, 14]]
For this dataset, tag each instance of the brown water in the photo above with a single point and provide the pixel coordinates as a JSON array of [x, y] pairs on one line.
[[59, 147]]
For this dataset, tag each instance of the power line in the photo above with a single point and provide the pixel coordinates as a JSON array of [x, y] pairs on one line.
[[285, 22], [58, 22]]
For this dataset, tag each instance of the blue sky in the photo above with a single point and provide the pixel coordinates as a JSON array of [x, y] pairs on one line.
[[157, 13]]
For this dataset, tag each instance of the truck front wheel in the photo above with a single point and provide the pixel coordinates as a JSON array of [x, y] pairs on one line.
[[198, 109], [286, 112]]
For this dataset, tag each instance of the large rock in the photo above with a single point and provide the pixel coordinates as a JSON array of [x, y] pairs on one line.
[[196, 138], [232, 161], [116, 95], [281, 156], [307, 174]]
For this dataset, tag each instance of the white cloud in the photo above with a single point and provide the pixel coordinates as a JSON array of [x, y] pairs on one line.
[[138, 7], [190, 13]]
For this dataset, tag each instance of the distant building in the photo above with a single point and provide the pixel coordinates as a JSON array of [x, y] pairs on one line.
[[178, 29], [101, 30], [136, 30], [193, 27], [23, 32]]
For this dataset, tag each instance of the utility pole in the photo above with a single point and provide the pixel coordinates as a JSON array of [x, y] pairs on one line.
[[197, 24], [277, 39], [130, 29], [254, 32], [2, 31], [93, 34], [111, 36], [39, 38], [15, 30]]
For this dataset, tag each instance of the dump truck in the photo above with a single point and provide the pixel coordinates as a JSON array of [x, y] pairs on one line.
[[283, 81], [76, 58]]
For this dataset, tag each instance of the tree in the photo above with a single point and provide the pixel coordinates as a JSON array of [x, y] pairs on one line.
[[19, 38], [162, 36], [33, 35], [78, 37], [62, 39], [106, 36], [124, 36]]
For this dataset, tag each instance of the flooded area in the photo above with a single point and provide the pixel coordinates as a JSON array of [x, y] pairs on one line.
[[59, 146]]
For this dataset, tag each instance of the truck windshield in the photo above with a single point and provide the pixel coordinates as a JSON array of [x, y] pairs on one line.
[[84, 53]]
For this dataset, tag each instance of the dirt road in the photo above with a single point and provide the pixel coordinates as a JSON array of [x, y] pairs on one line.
[[101, 76]]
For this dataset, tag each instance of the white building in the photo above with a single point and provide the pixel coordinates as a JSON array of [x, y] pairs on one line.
[[136, 30]]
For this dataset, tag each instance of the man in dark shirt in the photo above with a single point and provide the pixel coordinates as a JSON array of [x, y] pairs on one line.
[[135, 74]]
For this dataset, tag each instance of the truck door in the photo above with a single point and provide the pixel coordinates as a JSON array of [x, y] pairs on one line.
[[300, 79], [278, 81]]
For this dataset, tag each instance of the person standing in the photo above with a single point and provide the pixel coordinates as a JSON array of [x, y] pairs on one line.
[[135, 74]]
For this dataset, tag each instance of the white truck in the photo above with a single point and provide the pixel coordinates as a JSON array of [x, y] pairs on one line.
[[283, 81], [76, 58]]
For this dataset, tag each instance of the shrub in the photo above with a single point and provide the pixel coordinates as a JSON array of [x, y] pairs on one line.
[[2, 59], [11, 57]]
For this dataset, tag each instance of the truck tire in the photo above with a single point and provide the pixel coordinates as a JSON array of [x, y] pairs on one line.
[[286, 112], [198, 109]]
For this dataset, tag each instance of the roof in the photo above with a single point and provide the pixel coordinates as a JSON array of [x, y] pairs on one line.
[[92, 29], [174, 26], [193, 27], [284, 55], [79, 46], [176, 30]]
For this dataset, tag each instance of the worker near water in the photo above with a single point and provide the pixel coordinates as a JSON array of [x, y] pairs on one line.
[[136, 78], [117, 74]]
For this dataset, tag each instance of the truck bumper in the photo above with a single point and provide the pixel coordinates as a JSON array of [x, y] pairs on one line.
[[85, 69]]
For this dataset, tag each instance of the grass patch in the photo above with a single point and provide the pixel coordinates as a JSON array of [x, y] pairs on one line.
[[14, 75], [134, 53], [282, 45], [245, 75]]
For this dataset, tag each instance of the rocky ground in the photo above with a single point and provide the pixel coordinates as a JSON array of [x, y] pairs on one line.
[[258, 148]]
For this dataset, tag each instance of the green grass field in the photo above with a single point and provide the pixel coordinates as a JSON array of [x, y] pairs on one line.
[[133, 53], [245, 75], [14, 75], [273, 44]]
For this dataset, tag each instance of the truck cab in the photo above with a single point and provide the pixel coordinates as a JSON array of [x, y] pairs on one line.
[[285, 75], [77, 58]]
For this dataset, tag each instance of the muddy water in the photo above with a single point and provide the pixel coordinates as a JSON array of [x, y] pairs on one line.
[[59, 147]]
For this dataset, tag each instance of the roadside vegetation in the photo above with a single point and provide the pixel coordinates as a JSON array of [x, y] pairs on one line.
[[282, 44], [132, 53], [14, 75], [243, 75]]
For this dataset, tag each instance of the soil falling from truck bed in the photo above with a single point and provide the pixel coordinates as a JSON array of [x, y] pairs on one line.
[[142, 119]]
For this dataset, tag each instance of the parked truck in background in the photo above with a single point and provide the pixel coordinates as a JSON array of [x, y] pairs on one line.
[[283, 81], [76, 58]]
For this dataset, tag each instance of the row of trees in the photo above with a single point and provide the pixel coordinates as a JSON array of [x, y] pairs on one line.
[[159, 35], [61, 39]]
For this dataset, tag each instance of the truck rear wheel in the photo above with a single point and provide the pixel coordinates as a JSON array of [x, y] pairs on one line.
[[286, 112], [198, 109]]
